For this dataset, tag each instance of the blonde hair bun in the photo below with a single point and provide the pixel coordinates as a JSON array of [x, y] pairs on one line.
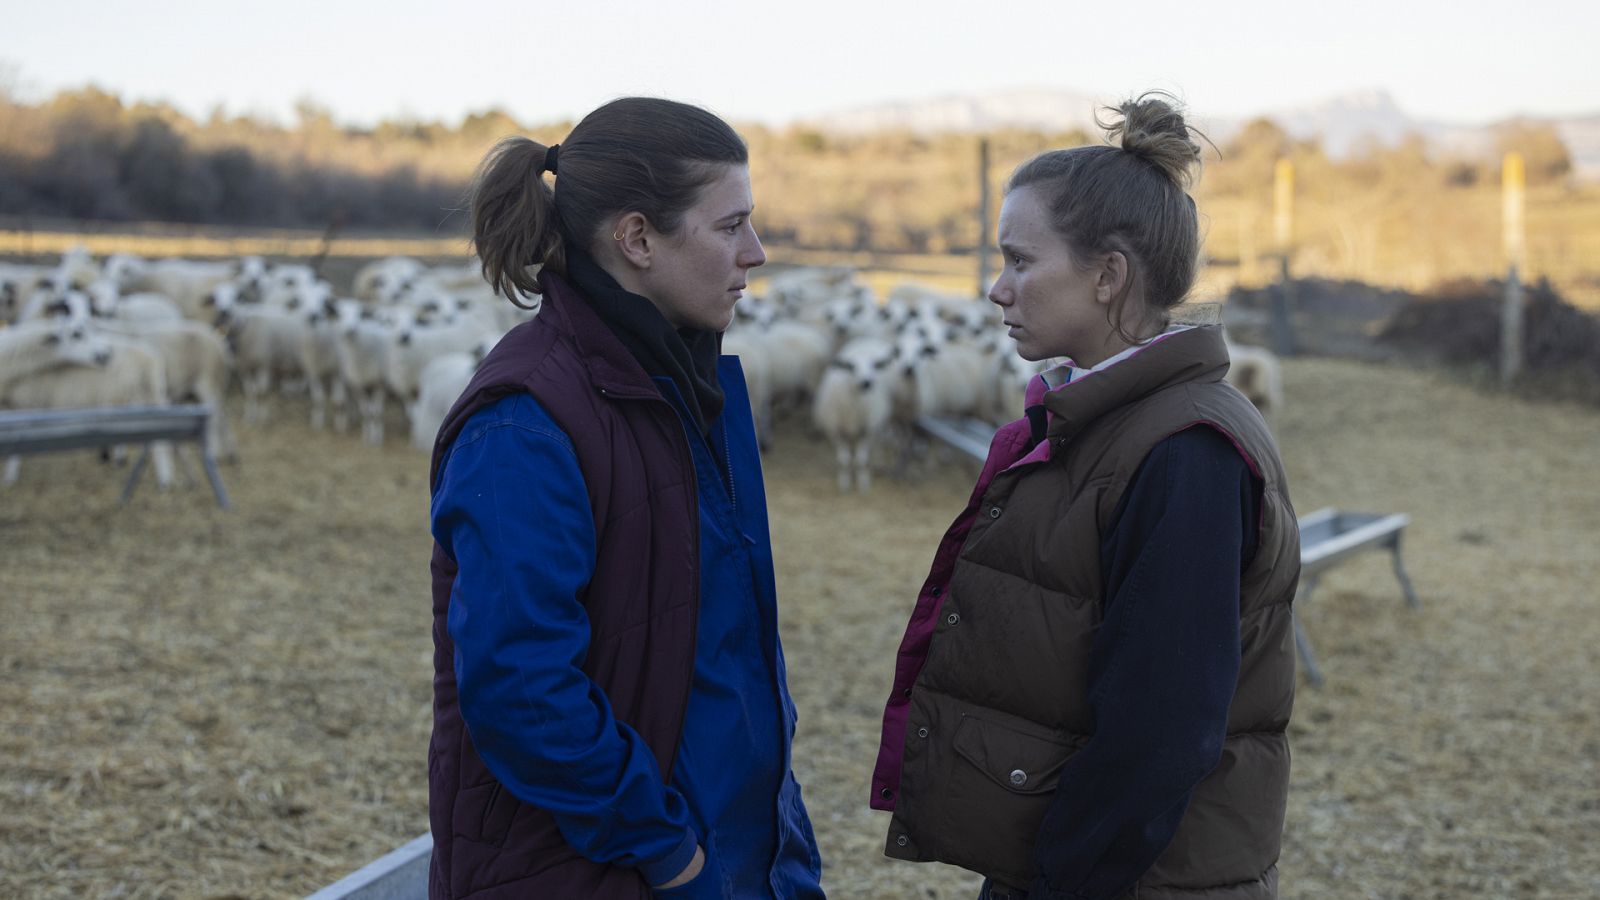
[[1151, 127]]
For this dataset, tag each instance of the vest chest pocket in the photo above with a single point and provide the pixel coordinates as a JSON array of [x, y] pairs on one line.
[[1019, 762]]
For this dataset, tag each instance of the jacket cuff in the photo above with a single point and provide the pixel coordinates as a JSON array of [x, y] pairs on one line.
[[659, 872]]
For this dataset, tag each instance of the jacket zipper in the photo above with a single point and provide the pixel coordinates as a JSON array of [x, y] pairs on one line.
[[727, 464]]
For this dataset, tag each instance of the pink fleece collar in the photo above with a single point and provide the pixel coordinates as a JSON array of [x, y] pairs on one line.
[[1068, 374]]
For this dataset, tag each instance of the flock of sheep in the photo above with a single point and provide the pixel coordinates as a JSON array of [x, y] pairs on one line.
[[872, 368], [126, 330]]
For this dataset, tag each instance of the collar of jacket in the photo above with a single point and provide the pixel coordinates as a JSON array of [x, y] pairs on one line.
[[612, 368], [1197, 354]]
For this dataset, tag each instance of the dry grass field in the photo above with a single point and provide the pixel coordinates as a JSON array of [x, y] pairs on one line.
[[197, 703]]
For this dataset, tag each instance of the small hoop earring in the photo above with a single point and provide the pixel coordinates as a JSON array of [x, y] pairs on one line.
[[617, 236]]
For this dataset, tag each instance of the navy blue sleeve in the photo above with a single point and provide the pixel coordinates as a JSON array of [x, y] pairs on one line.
[[511, 509], [1163, 667]]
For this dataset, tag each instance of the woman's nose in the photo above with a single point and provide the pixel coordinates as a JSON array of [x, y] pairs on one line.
[[754, 255]]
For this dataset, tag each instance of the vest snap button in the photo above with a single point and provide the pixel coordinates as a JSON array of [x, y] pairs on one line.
[[922, 732], [886, 793], [1019, 777], [994, 512], [902, 840], [952, 619]]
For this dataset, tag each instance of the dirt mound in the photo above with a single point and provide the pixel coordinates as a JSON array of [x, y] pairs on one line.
[[1328, 317], [1459, 322]]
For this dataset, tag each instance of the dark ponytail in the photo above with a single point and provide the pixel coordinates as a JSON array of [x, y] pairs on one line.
[[636, 154], [514, 220]]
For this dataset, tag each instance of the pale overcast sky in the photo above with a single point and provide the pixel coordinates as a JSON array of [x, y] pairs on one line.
[[1469, 62]]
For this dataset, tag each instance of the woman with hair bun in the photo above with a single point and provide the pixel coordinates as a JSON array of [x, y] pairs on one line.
[[1092, 694], [611, 718]]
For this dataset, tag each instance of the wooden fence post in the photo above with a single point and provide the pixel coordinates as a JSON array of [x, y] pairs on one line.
[[1283, 236], [983, 217], [1513, 189]]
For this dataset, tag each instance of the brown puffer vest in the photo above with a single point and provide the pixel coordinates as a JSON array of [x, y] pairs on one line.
[[1003, 688]]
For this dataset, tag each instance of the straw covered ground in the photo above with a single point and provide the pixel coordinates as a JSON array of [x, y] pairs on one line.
[[196, 703]]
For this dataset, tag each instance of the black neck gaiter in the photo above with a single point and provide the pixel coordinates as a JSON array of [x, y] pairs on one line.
[[687, 356]]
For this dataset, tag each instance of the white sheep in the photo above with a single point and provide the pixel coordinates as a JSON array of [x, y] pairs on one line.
[[76, 268], [1011, 374], [319, 358], [801, 292], [107, 300], [441, 383], [853, 406], [917, 294], [797, 354], [1256, 372], [365, 343], [852, 317], [197, 364], [949, 379], [417, 344], [466, 275], [380, 281], [47, 301], [32, 347], [267, 343], [185, 282], [18, 282], [129, 373], [748, 344]]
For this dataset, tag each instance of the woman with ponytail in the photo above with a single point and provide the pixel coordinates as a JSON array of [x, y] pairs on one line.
[[611, 718], [1092, 694]]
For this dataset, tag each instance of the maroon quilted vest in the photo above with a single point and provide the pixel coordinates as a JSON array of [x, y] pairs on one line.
[[642, 602]]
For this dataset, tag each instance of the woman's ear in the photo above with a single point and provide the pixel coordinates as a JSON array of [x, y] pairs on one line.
[[632, 235], [1112, 276]]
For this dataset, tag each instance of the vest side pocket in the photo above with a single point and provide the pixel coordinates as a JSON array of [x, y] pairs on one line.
[[987, 791], [497, 814]]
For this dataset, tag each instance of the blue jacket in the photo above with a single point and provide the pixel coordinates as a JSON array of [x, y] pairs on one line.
[[732, 790]]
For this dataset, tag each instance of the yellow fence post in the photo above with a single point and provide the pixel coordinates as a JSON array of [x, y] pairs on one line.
[[1283, 240], [983, 217], [1513, 191], [1283, 206]]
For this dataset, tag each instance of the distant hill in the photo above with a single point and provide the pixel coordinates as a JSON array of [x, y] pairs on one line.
[[1344, 122], [1038, 109]]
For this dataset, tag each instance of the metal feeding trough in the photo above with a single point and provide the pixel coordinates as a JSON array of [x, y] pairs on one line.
[[1331, 536], [47, 430], [400, 875]]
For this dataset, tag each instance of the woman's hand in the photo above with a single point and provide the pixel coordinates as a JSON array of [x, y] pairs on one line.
[[689, 872]]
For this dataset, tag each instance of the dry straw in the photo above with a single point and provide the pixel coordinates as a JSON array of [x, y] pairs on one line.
[[207, 704]]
